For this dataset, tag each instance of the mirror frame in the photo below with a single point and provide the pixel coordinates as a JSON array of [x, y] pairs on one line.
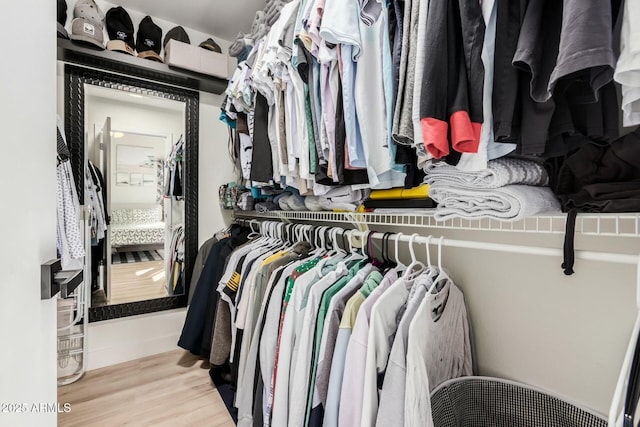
[[74, 99]]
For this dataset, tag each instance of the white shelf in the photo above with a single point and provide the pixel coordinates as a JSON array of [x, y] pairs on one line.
[[612, 225]]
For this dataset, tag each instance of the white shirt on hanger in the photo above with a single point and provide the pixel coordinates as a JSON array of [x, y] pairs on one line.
[[391, 408], [300, 386], [628, 67], [383, 324], [437, 350]]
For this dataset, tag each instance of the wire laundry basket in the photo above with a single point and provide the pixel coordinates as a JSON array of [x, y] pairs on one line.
[[492, 402]]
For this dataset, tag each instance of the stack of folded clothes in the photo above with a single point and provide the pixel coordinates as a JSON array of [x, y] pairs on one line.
[[509, 190], [602, 178], [290, 201], [399, 200]]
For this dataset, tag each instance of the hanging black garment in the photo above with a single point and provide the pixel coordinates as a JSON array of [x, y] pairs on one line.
[[506, 96], [406, 155], [345, 176], [198, 326], [261, 164], [177, 181]]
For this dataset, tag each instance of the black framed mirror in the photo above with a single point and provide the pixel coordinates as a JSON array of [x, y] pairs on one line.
[[131, 167]]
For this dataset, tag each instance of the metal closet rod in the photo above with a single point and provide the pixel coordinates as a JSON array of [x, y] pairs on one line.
[[520, 249], [597, 256]]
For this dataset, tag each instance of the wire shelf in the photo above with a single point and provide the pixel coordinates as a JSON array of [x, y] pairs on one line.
[[612, 225]]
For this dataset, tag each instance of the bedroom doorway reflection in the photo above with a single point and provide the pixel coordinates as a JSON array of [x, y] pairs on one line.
[[140, 149]]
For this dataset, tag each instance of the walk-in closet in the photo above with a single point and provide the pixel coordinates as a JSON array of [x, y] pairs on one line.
[[321, 213]]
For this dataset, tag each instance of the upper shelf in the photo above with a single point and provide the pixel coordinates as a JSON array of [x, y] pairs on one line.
[[614, 225], [74, 53]]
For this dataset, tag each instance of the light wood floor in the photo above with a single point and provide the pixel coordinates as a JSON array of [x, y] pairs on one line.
[[169, 389], [137, 281]]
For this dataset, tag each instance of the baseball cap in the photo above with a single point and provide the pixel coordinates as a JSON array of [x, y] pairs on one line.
[[209, 44], [149, 41], [62, 19], [86, 25], [120, 30], [89, 10], [176, 33]]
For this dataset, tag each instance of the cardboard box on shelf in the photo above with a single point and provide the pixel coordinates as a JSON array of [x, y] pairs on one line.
[[195, 58]]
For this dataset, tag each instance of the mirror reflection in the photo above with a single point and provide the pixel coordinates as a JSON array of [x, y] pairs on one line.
[[135, 142]]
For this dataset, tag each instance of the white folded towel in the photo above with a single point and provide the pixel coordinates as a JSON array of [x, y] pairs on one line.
[[499, 172], [509, 203]]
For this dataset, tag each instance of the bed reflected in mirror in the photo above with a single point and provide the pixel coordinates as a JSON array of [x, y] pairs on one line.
[[138, 147]]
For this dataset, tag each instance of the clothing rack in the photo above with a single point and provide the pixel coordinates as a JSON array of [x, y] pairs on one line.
[[497, 247], [623, 389]]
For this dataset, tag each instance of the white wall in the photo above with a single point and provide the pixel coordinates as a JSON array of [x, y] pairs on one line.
[[127, 196], [27, 119], [120, 340], [533, 324], [131, 117], [196, 37], [215, 168]]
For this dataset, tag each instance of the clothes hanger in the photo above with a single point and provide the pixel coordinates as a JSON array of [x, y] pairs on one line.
[[399, 264], [440, 298], [353, 255], [415, 268], [388, 262], [442, 275]]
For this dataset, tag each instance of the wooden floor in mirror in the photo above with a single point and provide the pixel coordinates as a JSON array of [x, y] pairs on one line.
[[168, 389], [137, 281]]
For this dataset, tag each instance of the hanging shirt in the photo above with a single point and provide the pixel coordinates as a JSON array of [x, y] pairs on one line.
[[628, 67], [412, 48], [279, 389], [269, 343], [383, 325], [340, 25], [245, 391], [488, 149], [342, 341], [350, 413], [418, 140], [300, 385], [372, 92], [262, 278], [391, 409], [288, 348], [452, 83], [69, 241], [362, 266], [438, 349], [328, 341]]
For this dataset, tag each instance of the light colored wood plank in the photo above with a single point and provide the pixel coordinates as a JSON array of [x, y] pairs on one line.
[[169, 389], [137, 281]]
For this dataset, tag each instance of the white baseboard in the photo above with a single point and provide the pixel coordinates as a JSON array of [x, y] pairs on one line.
[[120, 340]]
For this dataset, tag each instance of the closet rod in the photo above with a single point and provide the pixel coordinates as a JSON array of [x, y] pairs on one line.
[[520, 249]]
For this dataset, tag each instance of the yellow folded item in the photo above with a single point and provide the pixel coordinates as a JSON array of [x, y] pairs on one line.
[[419, 192]]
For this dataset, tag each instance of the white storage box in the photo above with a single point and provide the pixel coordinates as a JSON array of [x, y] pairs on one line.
[[195, 58]]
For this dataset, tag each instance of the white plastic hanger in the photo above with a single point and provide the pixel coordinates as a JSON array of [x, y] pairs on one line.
[[431, 270], [399, 263], [352, 253], [442, 275], [415, 268]]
